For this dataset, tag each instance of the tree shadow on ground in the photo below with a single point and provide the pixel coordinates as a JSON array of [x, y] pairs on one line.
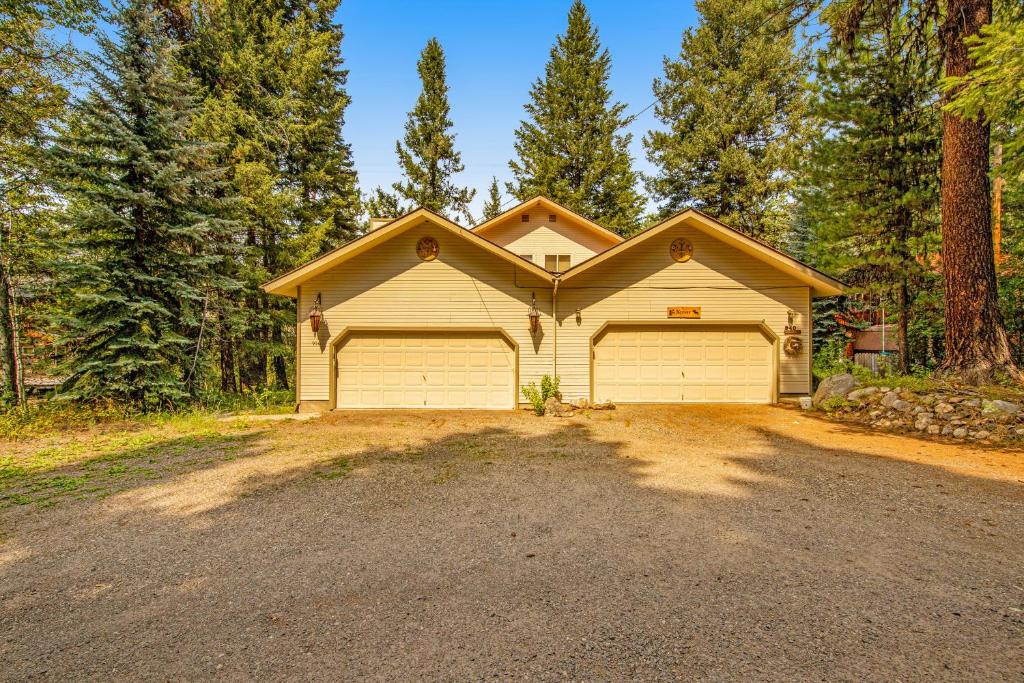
[[51, 475], [587, 550]]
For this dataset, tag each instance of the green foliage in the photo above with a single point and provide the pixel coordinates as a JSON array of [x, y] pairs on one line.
[[572, 148], [274, 97], [918, 383], [145, 223], [733, 106], [492, 207], [384, 204], [537, 397], [835, 403], [427, 153], [870, 193], [994, 88]]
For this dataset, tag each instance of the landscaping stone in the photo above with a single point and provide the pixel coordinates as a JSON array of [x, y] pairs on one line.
[[959, 413], [861, 394], [836, 385], [998, 406], [554, 408]]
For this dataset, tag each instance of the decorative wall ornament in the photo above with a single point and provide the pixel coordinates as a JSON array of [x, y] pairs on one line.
[[792, 346], [427, 248], [681, 249]]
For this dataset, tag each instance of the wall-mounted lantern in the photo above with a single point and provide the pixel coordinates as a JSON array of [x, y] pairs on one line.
[[315, 315], [533, 313]]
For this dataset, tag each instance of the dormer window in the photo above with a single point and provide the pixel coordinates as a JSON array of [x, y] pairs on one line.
[[556, 263]]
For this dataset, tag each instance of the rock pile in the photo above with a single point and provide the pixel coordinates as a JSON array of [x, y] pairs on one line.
[[959, 414]]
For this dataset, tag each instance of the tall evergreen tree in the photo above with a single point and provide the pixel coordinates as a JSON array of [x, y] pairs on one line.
[[384, 204], [145, 207], [572, 148], [872, 186], [33, 68], [492, 207], [273, 81], [977, 347], [427, 153], [733, 106]]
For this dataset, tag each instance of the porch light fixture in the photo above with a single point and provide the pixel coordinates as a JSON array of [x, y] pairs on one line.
[[315, 315], [533, 313]]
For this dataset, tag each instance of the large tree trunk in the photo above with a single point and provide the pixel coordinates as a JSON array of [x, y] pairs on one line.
[[977, 347], [280, 367]]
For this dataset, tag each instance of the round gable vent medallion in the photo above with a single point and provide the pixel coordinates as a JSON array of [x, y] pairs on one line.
[[681, 250], [427, 248]]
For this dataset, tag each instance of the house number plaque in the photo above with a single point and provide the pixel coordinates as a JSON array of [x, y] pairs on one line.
[[692, 312]]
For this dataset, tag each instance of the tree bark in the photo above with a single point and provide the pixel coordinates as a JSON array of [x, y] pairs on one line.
[[280, 367], [8, 341], [904, 327], [228, 383], [977, 347]]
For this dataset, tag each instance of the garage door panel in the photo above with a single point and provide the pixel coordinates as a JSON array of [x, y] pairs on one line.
[[673, 364], [425, 370]]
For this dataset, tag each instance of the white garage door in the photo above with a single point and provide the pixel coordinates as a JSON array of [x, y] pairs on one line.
[[651, 364], [425, 370]]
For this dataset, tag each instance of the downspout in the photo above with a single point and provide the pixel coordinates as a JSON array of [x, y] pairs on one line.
[[554, 319]]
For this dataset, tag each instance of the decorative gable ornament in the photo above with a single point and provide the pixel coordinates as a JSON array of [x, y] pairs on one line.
[[681, 250], [427, 248]]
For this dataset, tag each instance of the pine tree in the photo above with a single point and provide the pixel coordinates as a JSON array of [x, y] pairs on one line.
[[145, 226], [33, 68], [492, 207], [872, 186], [733, 105], [384, 204], [274, 97], [427, 153], [572, 148]]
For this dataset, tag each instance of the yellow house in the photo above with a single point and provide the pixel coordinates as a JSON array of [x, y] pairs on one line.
[[423, 313]]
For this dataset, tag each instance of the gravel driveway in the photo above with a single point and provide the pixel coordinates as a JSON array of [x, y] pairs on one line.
[[656, 543]]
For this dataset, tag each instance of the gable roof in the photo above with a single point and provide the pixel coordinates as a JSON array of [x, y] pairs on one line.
[[821, 284], [287, 284], [551, 205]]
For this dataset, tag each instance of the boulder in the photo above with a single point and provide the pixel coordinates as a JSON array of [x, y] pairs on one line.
[[836, 385], [999, 407], [934, 429], [981, 434], [890, 398], [554, 408], [902, 406], [861, 394], [944, 408], [959, 433]]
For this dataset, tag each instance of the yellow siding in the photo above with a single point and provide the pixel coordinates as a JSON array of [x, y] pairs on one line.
[[642, 283], [540, 237], [390, 286]]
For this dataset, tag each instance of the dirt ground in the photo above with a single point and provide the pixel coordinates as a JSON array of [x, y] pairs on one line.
[[654, 543]]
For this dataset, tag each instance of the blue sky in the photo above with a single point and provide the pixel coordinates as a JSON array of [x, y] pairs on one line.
[[495, 50]]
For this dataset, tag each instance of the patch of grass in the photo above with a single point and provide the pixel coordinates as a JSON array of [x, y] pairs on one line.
[[339, 468]]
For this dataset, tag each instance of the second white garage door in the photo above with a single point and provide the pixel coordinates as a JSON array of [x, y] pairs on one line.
[[425, 370], [675, 364]]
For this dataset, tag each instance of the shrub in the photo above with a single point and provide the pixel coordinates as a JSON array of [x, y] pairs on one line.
[[834, 403], [537, 397]]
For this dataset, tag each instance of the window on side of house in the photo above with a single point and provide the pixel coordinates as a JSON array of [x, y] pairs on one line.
[[528, 257], [556, 263]]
